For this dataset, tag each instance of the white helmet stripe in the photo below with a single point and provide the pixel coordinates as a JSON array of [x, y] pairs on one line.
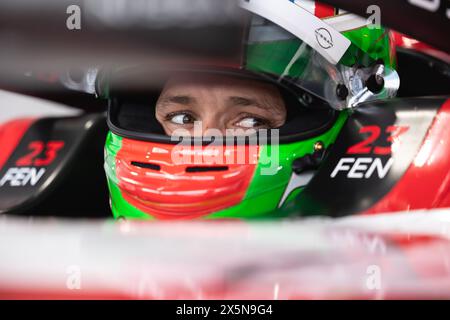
[[346, 22], [323, 38], [308, 5], [343, 22]]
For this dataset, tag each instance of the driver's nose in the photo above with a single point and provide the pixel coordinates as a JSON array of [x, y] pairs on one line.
[[211, 125]]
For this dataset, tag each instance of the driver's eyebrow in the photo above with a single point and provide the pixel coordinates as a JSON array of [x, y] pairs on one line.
[[244, 101], [178, 99]]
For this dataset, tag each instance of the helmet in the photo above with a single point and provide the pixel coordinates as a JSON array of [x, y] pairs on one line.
[[323, 63]]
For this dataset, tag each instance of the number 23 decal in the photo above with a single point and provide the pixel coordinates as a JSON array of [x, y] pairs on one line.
[[365, 146], [48, 149]]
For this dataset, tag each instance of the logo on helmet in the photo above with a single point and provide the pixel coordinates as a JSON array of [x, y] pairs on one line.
[[323, 37]]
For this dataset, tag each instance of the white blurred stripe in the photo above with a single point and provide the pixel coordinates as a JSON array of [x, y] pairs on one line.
[[342, 22], [346, 22], [14, 105]]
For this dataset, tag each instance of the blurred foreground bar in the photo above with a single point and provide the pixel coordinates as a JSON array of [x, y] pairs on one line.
[[34, 34], [387, 256]]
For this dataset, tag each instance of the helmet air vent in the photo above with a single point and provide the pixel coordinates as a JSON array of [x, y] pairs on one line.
[[206, 168], [145, 165]]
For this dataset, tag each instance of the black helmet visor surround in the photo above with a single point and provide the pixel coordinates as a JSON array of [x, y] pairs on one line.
[[133, 93]]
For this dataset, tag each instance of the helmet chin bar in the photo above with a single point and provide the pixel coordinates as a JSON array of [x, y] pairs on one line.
[[366, 84]]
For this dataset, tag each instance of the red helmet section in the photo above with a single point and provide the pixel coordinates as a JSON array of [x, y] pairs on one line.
[[200, 183]]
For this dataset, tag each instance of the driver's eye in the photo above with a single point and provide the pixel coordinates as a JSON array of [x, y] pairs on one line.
[[251, 122], [181, 118]]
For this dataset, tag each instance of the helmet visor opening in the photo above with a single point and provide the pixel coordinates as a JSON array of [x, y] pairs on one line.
[[219, 103]]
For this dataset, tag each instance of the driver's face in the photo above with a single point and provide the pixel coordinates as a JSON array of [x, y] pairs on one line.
[[219, 102]]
